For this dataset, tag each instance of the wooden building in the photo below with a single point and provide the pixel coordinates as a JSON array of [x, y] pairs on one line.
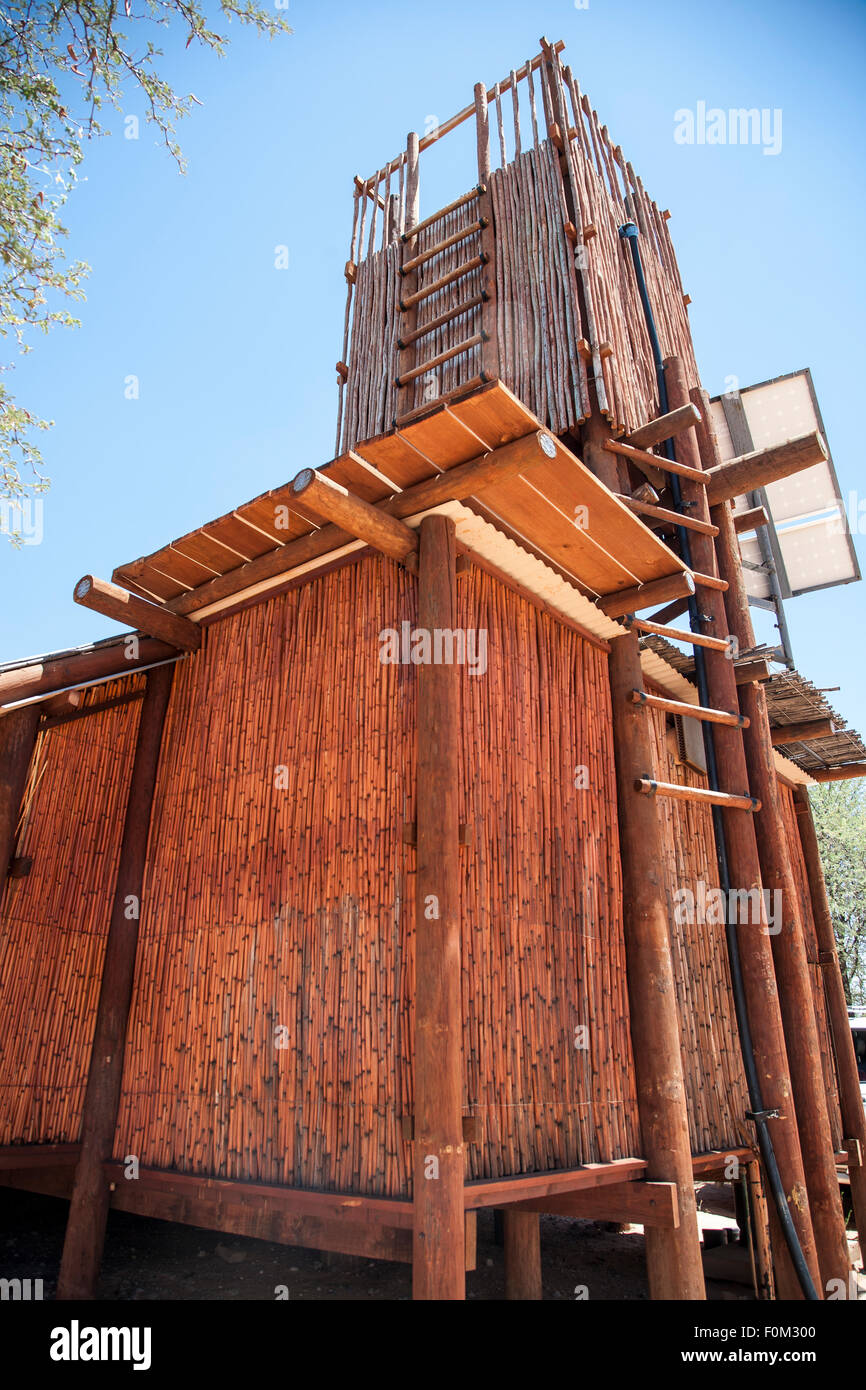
[[374, 878]]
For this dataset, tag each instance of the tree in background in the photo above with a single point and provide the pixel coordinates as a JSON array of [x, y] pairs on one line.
[[61, 63], [839, 809]]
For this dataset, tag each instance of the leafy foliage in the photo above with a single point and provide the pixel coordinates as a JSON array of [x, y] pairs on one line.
[[839, 809], [61, 63]]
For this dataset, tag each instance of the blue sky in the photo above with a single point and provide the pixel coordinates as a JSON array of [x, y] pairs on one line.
[[236, 358]]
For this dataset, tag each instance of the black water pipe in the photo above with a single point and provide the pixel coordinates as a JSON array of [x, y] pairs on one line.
[[758, 1114]]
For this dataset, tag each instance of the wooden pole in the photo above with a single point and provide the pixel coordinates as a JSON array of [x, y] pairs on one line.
[[490, 348], [115, 658], [663, 427], [756, 954], [112, 601], [333, 502], [597, 458], [645, 595], [522, 1255], [409, 284], [750, 471], [88, 1211], [438, 1266], [17, 737], [673, 1256], [850, 1100]]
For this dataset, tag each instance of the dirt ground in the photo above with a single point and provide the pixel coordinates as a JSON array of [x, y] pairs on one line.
[[156, 1260]]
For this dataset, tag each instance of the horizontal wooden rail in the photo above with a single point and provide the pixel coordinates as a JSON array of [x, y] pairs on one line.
[[499, 1192], [686, 711], [675, 634], [649, 1203], [640, 456], [457, 274], [441, 319], [802, 733], [691, 523], [663, 427], [477, 192], [678, 792], [446, 356], [441, 246]]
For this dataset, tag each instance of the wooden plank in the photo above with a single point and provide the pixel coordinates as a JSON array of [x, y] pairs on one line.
[[22, 1157], [500, 1192], [647, 1203]]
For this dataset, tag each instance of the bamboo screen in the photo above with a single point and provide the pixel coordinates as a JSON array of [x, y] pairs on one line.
[[54, 922], [715, 1084], [290, 908], [801, 880]]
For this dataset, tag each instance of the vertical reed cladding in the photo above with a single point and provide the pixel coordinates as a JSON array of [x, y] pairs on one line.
[[269, 1026], [54, 922], [549, 1069], [801, 881], [712, 1064]]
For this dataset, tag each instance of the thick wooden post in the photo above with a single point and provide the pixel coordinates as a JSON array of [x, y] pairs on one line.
[[522, 1255], [850, 1101], [788, 939], [759, 976], [88, 1211], [18, 731], [438, 1262], [673, 1256]]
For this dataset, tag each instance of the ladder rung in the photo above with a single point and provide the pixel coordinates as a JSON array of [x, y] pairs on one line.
[[691, 523], [412, 299], [444, 245], [678, 792], [707, 716], [709, 581], [469, 197], [464, 389], [442, 319], [696, 639], [615, 446], [443, 357]]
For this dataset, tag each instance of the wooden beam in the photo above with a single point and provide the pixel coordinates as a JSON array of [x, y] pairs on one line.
[[594, 435], [750, 471], [22, 1156], [747, 671], [802, 733], [843, 773], [333, 502], [649, 1203], [522, 1255], [115, 658], [645, 595], [101, 596], [85, 711], [438, 1262], [750, 520], [18, 731], [850, 1099], [663, 427], [64, 704], [88, 1211], [674, 634]]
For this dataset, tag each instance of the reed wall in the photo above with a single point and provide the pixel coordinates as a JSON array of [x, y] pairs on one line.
[[54, 922]]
